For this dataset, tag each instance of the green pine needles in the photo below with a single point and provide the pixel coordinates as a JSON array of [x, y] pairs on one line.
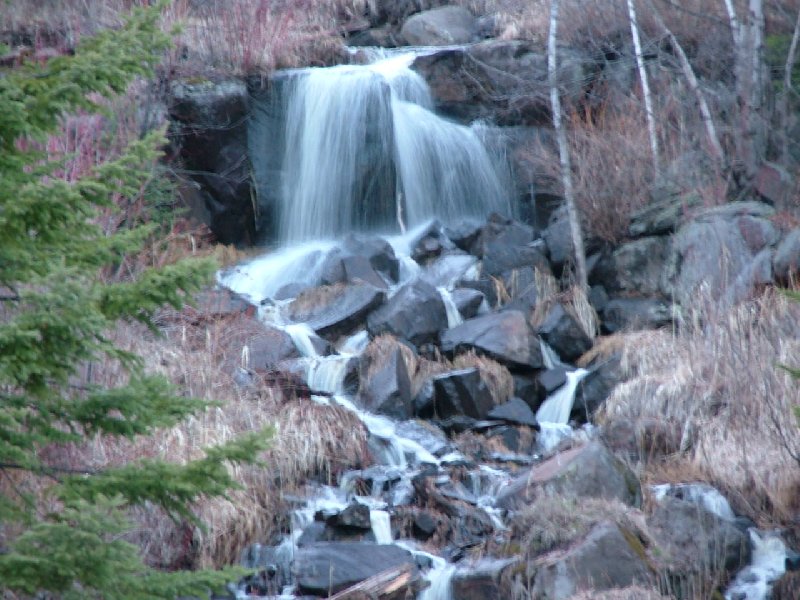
[[54, 315]]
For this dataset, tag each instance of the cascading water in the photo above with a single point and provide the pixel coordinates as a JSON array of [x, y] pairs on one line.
[[363, 150]]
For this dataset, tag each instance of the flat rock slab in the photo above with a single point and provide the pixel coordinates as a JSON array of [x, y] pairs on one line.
[[415, 313], [516, 411], [335, 309], [504, 336], [329, 567]]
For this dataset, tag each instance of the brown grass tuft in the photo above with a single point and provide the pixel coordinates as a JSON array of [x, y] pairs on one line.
[[629, 593]]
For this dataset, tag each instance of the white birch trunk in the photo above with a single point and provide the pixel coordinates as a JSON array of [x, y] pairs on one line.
[[648, 99], [563, 152], [788, 68]]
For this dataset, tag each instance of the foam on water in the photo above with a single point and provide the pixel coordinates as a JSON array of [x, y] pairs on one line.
[[767, 564], [557, 407]]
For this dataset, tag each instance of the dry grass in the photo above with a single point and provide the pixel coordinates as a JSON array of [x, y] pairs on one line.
[[719, 376], [310, 441], [629, 593]]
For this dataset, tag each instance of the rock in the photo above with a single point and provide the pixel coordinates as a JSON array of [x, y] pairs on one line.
[[552, 379], [589, 470], [386, 388], [329, 567], [269, 347], [318, 531], [598, 298], [520, 285], [273, 570], [558, 237], [481, 579], [606, 558], [357, 269], [485, 286], [564, 334], [500, 255], [774, 184], [445, 26], [529, 389], [218, 303], [593, 389], [635, 313], [426, 435], [354, 516], [430, 244], [643, 439], [424, 525], [514, 411], [376, 37], [504, 81], [721, 252], [694, 541], [499, 231], [467, 301], [786, 261], [211, 123], [663, 216], [462, 392], [464, 234], [633, 267], [415, 313], [504, 336], [376, 251], [337, 309]]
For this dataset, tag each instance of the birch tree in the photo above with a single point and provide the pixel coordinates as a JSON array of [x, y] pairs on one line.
[[788, 90], [563, 151]]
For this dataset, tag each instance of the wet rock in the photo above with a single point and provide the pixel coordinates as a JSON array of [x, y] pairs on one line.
[[635, 313], [461, 393], [267, 346], [273, 569], [724, 251], [564, 334], [445, 26], [467, 301], [318, 531], [634, 267], [386, 388], [377, 251], [354, 516], [529, 389], [485, 286], [465, 234], [329, 567], [482, 579], [595, 388], [415, 313], [430, 244], [501, 256], [606, 558], [426, 435], [786, 261], [371, 260], [504, 336], [424, 525], [514, 411], [552, 379], [210, 120], [694, 541], [589, 470], [520, 285], [337, 309]]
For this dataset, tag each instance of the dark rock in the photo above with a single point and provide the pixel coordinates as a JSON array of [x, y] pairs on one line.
[[336, 309], [465, 234], [564, 334], [354, 516], [220, 302], [643, 439], [415, 313], [462, 392], [514, 411], [482, 579], [500, 231], [467, 301], [635, 313], [445, 26], [268, 346], [210, 123], [589, 470], [500, 257], [377, 251], [424, 525], [552, 379], [483, 285], [598, 298], [386, 389], [529, 389], [633, 267], [329, 567], [426, 435], [786, 261], [558, 237], [376, 37], [505, 337], [694, 541], [508, 436], [520, 285], [725, 251], [663, 216], [358, 269], [273, 569], [607, 558], [596, 387]]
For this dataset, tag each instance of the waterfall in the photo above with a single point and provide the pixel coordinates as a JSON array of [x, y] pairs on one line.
[[558, 405], [440, 577], [381, 526], [454, 317], [361, 147]]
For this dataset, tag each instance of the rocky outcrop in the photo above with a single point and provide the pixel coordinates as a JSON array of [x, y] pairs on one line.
[[461, 393], [415, 313], [562, 331], [444, 26], [337, 309]]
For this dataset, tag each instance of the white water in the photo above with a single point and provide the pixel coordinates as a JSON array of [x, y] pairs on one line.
[[703, 494], [557, 406], [440, 577], [454, 317], [361, 138], [768, 563], [381, 526], [301, 335]]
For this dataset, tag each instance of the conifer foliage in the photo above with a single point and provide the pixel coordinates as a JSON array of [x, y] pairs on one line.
[[55, 313]]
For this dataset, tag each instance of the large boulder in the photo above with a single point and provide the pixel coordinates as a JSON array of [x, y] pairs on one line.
[[562, 331], [336, 309], [386, 386], [328, 567], [635, 313], [502, 80], [461, 393], [415, 313], [595, 388], [606, 558], [504, 336], [347, 261], [444, 26], [589, 470], [787, 256], [634, 267], [481, 579], [210, 133], [724, 252]]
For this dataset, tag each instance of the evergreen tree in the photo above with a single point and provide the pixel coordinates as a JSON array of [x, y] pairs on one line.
[[56, 313]]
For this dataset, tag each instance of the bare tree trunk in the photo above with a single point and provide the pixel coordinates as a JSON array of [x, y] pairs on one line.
[[648, 99], [694, 85], [788, 68], [563, 152]]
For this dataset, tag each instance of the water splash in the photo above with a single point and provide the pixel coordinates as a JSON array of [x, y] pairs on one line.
[[454, 317], [768, 563], [557, 407]]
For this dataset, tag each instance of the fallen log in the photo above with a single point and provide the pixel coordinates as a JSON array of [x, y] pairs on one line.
[[397, 583]]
